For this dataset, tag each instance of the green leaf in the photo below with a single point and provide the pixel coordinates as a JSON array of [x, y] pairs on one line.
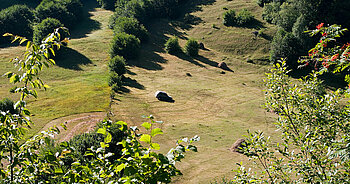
[[145, 138], [14, 78], [108, 139], [146, 125], [156, 131], [58, 171], [120, 167], [102, 131], [155, 146]]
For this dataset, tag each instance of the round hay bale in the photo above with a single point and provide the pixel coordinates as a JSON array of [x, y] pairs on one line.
[[235, 146]]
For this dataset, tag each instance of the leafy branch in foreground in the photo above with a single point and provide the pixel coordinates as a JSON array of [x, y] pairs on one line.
[[313, 122]]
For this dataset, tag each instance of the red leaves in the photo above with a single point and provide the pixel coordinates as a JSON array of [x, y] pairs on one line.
[[320, 26]]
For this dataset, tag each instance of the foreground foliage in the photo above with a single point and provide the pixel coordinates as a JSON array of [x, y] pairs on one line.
[[313, 122]]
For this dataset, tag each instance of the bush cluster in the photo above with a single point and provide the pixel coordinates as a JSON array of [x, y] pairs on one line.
[[66, 11], [117, 65], [172, 46], [44, 28], [17, 20], [244, 17], [130, 26], [107, 4], [125, 45], [192, 47], [115, 81], [7, 104]]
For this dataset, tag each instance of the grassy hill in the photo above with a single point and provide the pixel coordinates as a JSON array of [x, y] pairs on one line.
[[218, 107]]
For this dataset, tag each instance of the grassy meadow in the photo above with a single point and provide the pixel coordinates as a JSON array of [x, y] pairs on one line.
[[217, 107]]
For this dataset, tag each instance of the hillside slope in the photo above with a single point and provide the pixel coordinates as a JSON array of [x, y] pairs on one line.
[[218, 107]]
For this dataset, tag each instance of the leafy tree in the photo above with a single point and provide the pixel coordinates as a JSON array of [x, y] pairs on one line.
[[313, 122], [7, 104], [115, 81], [270, 12], [44, 28], [284, 45], [125, 45], [191, 47], [130, 26], [62, 10], [117, 65], [172, 45], [16, 19], [229, 18], [107, 4], [244, 17]]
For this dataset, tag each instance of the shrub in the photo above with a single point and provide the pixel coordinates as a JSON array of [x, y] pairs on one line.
[[287, 16], [44, 28], [117, 65], [172, 45], [8, 105], [130, 26], [229, 18], [73, 6], [107, 4], [125, 45], [191, 47], [115, 81], [57, 10], [270, 12], [17, 20], [284, 45], [244, 17]]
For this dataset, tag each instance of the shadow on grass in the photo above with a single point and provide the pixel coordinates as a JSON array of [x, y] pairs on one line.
[[71, 59], [132, 83], [87, 25]]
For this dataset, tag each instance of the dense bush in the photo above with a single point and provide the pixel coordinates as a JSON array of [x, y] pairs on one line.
[[172, 45], [244, 17], [115, 81], [44, 28], [17, 20], [130, 26], [270, 12], [284, 45], [229, 18], [8, 105], [124, 45], [117, 65], [287, 16], [66, 11], [107, 4], [191, 47]]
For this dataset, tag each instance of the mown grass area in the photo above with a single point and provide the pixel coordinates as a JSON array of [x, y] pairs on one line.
[[79, 80], [217, 107]]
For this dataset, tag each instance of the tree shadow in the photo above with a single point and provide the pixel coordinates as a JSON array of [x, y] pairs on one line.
[[71, 59], [86, 25], [132, 83]]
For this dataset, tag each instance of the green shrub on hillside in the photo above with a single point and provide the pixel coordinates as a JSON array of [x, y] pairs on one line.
[[44, 28], [284, 45], [8, 105], [229, 18], [244, 17], [17, 20], [66, 11], [270, 12], [172, 45], [115, 81], [117, 65], [107, 4], [125, 45], [130, 26], [191, 47]]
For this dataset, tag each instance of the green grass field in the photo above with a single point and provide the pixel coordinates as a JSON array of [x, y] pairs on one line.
[[217, 107]]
